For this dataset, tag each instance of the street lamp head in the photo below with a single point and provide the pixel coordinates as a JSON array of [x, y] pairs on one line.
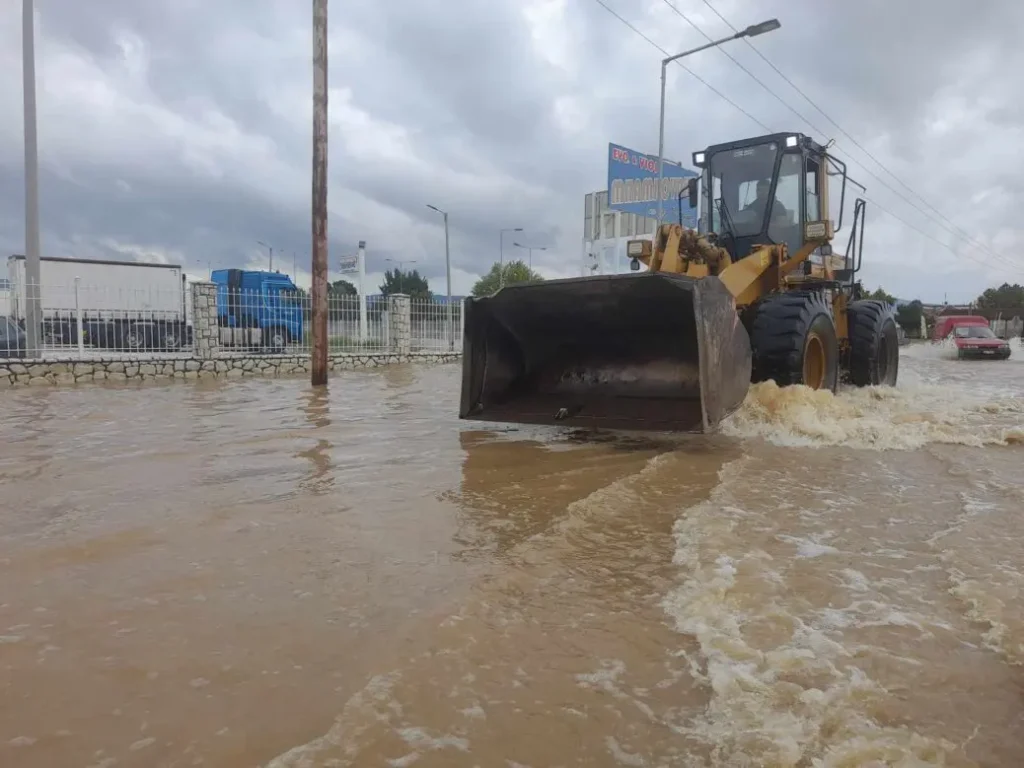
[[759, 29], [518, 245], [433, 207], [518, 229]]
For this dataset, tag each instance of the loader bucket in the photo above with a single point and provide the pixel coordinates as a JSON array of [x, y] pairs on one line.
[[650, 351]]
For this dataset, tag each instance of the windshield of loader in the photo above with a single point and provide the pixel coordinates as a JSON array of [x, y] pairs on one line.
[[740, 183]]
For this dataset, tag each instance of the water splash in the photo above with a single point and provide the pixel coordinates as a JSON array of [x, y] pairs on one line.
[[802, 697], [878, 418]]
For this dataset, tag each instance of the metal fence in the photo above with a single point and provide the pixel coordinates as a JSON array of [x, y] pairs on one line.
[[254, 321], [434, 326], [89, 322]]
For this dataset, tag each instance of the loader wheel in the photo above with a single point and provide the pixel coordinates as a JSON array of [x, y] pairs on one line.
[[874, 344], [794, 341]]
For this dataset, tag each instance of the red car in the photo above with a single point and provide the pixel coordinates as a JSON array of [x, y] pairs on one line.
[[972, 335]]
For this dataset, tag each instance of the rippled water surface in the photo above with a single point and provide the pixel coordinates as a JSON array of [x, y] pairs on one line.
[[249, 573]]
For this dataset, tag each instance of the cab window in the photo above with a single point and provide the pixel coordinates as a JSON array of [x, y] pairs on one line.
[[784, 225]]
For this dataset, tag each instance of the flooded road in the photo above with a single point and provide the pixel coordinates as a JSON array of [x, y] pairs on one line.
[[249, 574]]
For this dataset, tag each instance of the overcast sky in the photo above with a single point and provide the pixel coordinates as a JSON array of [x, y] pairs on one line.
[[179, 130]]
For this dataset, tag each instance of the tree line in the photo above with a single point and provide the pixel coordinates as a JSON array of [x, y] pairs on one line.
[[1005, 297]]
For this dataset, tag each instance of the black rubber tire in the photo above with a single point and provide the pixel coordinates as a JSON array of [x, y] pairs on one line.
[[277, 341], [783, 325], [874, 344]]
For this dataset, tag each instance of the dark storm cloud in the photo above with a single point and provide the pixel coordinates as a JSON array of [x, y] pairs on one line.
[[199, 143]]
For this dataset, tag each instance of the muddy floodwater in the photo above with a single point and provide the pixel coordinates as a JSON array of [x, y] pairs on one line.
[[248, 573]]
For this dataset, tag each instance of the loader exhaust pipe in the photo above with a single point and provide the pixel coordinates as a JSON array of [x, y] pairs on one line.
[[651, 352]]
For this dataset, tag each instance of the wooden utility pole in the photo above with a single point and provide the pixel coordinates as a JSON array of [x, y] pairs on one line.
[[319, 291]]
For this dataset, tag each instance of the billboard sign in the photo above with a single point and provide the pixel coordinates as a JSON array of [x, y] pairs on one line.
[[633, 181], [348, 264]]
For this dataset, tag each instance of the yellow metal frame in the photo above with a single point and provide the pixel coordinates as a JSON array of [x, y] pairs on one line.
[[767, 269]]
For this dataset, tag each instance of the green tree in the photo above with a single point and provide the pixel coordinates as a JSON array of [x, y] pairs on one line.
[[337, 309], [1006, 296], [879, 294], [342, 288], [513, 272], [411, 283], [909, 317]]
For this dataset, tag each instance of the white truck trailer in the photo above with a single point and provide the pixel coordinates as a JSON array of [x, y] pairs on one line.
[[123, 305]]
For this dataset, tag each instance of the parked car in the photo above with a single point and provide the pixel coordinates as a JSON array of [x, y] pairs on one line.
[[12, 338]]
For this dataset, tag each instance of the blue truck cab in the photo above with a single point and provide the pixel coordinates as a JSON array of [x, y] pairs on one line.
[[256, 308]]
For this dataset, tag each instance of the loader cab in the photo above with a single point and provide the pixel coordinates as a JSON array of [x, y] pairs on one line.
[[765, 189]]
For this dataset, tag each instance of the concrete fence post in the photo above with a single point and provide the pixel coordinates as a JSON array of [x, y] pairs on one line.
[[400, 323], [205, 339]]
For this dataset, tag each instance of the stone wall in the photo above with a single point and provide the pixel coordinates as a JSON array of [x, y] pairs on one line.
[[66, 371]]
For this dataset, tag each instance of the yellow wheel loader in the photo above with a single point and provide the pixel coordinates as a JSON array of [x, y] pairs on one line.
[[754, 293]]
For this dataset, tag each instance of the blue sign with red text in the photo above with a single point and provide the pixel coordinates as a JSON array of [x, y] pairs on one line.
[[633, 184]]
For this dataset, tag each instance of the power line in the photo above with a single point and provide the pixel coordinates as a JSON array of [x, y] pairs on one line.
[[733, 59], [667, 54], [820, 110], [943, 220], [1012, 270], [749, 115]]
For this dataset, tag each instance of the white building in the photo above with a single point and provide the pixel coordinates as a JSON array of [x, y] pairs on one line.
[[605, 233]]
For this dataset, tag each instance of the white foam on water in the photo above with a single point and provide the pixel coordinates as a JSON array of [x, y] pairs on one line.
[[362, 713], [621, 756], [1005, 633], [809, 547], [908, 416], [802, 699], [930, 350], [982, 557], [422, 740], [946, 349]]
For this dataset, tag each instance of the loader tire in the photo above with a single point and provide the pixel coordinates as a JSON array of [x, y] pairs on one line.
[[874, 344], [794, 341]]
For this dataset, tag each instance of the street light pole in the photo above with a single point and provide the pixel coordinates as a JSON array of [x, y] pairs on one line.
[[33, 311], [752, 31], [271, 249], [501, 254], [531, 249], [448, 274]]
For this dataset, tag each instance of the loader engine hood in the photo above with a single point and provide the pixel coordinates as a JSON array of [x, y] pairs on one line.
[[650, 351]]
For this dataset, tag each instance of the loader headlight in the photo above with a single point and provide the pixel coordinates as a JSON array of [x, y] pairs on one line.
[[791, 141], [698, 159], [635, 248]]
